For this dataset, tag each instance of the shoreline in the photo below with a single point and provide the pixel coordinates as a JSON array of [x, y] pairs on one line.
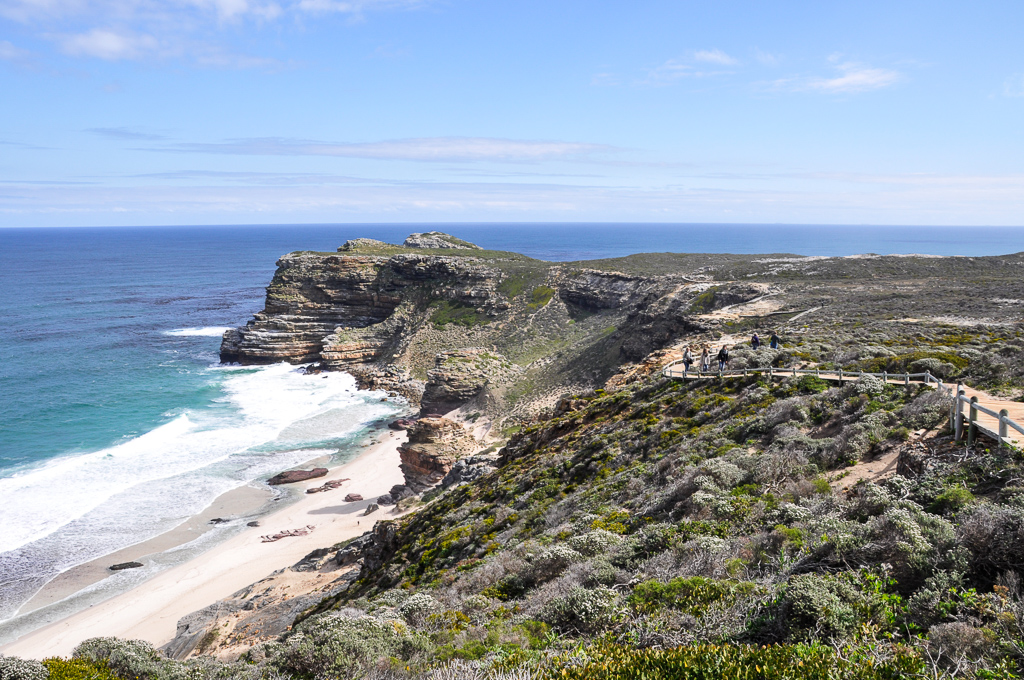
[[240, 503], [150, 611]]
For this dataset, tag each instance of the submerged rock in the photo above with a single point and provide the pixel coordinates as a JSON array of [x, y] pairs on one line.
[[125, 565]]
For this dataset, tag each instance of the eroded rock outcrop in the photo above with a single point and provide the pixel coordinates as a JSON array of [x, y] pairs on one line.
[[433, 446], [349, 298], [438, 239], [460, 375]]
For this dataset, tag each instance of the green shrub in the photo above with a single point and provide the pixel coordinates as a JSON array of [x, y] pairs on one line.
[[13, 668], [952, 500], [688, 594], [77, 669], [334, 646], [456, 313], [134, 659], [540, 296], [582, 610], [708, 661]]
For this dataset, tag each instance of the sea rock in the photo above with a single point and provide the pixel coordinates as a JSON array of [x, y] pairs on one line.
[[459, 375], [433, 446], [371, 508], [353, 497], [386, 499], [124, 565], [401, 424], [292, 476], [438, 239]]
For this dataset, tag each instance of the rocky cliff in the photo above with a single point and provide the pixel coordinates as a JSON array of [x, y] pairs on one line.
[[441, 318]]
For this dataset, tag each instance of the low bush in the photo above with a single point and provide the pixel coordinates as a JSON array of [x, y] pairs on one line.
[[709, 661], [13, 668], [77, 669]]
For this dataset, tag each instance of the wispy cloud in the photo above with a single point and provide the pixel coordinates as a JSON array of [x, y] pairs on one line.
[[189, 30], [714, 57], [466, 149], [1014, 86], [699, 64], [852, 77], [127, 133], [109, 45], [9, 52], [766, 58]]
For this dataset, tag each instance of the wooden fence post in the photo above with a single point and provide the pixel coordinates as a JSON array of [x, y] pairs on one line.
[[972, 429], [1004, 430], [959, 420]]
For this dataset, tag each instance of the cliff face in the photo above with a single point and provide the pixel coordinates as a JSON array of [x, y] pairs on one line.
[[458, 321]]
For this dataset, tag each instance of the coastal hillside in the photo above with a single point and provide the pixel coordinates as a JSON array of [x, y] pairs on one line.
[[569, 511]]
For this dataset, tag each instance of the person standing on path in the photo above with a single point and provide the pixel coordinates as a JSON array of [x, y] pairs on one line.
[[687, 360], [723, 357], [774, 341], [755, 342], [705, 359]]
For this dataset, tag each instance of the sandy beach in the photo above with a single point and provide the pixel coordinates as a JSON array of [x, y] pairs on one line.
[[151, 610]]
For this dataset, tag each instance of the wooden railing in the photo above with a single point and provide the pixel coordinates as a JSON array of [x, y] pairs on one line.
[[972, 423]]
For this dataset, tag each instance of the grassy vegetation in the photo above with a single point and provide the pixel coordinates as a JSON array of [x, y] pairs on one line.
[[445, 312]]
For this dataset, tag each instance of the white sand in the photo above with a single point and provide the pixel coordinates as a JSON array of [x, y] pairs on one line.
[[151, 611]]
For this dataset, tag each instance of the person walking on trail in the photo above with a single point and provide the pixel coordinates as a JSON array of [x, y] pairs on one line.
[[705, 359], [687, 360], [774, 341], [755, 342], [723, 358]]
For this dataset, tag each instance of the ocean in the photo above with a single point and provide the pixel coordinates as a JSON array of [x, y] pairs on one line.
[[117, 422]]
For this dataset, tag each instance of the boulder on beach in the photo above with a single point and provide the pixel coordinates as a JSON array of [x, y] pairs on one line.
[[292, 476], [353, 497], [125, 565], [385, 499], [371, 508]]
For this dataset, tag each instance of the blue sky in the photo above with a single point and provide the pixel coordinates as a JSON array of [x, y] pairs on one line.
[[277, 111]]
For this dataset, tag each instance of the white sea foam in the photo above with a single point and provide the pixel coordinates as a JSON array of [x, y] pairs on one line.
[[267, 419], [206, 331]]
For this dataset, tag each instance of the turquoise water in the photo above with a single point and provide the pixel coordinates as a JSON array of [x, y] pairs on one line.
[[116, 422]]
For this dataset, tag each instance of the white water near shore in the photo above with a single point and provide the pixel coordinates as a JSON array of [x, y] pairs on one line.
[[205, 332], [81, 506], [150, 610]]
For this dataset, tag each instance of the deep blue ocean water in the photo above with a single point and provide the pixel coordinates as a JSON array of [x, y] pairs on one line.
[[116, 421]]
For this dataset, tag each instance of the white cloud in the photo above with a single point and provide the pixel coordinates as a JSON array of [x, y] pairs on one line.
[[353, 6], [670, 71], [1014, 86], [714, 57], [853, 77], [766, 58], [443, 149], [9, 52], [108, 44], [187, 29]]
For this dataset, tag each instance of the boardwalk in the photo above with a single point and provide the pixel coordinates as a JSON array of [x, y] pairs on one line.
[[1011, 432]]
